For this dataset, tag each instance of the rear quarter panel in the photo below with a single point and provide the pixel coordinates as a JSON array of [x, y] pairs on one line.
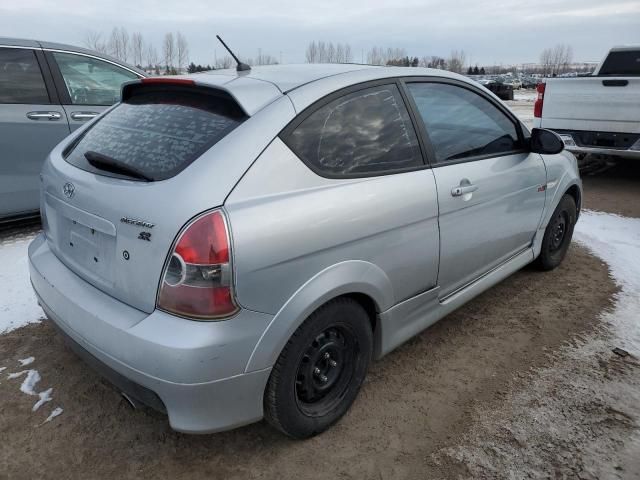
[[289, 224]]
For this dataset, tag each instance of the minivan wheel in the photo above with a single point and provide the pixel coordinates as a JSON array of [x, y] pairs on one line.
[[558, 233], [321, 369]]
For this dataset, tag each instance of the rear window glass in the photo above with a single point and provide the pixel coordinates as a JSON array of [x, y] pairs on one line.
[[157, 134], [621, 63]]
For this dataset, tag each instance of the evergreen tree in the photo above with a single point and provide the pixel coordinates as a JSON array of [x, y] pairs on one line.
[[482, 71], [192, 68], [476, 71], [470, 71]]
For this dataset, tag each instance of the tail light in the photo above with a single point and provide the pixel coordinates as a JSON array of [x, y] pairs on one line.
[[537, 107], [197, 279]]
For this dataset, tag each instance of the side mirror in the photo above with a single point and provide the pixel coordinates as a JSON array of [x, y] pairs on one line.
[[545, 142]]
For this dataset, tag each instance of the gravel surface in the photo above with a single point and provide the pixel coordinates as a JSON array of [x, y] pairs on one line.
[[522, 382]]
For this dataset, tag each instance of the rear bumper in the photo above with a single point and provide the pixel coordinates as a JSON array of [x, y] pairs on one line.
[[635, 154], [626, 145], [196, 371]]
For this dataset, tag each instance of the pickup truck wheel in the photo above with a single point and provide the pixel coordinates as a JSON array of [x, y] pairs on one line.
[[558, 233], [320, 371]]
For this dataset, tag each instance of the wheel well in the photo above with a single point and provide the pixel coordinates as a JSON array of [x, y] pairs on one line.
[[574, 191], [369, 306]]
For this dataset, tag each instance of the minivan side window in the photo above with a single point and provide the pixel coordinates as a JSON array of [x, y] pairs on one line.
[[461, 124], [21, 80], [367, 132], [90, 81]]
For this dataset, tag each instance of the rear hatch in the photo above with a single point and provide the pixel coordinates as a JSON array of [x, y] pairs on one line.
[[114, 199]]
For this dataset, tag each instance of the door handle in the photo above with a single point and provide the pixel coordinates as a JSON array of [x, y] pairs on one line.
[[83, 115], [44, 115], [463, 190]]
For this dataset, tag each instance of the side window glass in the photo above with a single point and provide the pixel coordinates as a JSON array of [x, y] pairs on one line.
[[90, 81], [462, 124], [20, 77], [367, 132]]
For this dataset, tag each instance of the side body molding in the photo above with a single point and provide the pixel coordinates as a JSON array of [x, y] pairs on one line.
[[349, 277]]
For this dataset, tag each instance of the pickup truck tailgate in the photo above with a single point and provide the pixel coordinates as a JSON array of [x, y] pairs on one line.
[[603, 104]]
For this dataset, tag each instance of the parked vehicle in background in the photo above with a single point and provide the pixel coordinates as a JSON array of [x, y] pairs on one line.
[[515, 83], [230, 246], [529, 82], [599, 113], [47, 90], [496, 84]]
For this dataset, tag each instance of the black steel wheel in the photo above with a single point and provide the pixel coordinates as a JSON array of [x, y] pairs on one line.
[[558, 233], [319, 373]]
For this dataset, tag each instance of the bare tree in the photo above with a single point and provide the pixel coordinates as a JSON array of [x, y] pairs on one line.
[[93, 40], [348, 56], [137, 48], [169, 51], [224, 62], [457, 61], [312, 53], [556, 60], [151, 56], [322, 52], [263, 59], [546, 61], [331, 53], [339, 53], [118, 44], [182, 51], [376, 56]]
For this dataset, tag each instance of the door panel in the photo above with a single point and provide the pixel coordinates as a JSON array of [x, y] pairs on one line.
[[30, 126], [481, 229], [489, 192]]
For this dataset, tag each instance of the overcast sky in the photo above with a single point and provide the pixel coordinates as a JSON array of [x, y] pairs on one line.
[[495, 31]]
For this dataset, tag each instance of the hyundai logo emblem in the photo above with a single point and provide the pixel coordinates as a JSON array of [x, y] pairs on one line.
[[69, 190]]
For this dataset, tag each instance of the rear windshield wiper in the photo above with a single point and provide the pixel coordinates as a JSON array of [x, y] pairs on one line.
[[110, 164]]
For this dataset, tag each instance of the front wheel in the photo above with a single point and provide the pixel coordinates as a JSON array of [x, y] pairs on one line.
[[320, 370], [558, 233]]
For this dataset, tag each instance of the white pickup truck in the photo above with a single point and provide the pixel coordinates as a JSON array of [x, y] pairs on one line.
[[599, 113]]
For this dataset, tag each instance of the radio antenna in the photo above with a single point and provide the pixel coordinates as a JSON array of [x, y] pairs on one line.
[[240, 67]]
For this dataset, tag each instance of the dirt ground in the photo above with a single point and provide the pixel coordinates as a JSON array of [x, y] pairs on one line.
[[468, 398]]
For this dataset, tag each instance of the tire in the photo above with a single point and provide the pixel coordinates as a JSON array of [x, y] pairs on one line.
[[557, 235], [320, 370]]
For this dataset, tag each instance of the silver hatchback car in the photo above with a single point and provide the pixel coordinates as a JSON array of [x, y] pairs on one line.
[[232, 246]]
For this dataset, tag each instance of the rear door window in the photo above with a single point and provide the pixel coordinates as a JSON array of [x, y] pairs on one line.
[[155, 134], [621, 63], [462, 124], [367, 132], [21, 80], [90, 81]]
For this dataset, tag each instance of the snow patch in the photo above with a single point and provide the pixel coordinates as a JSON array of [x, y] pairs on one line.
[[11, 376], [44, 398], [616, 240], [26, 361], [56, 411], [29, 383], [18, 304], [2, 368]]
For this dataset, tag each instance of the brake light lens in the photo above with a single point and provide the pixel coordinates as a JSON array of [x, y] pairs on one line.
[[197, 280], [537, 107]]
